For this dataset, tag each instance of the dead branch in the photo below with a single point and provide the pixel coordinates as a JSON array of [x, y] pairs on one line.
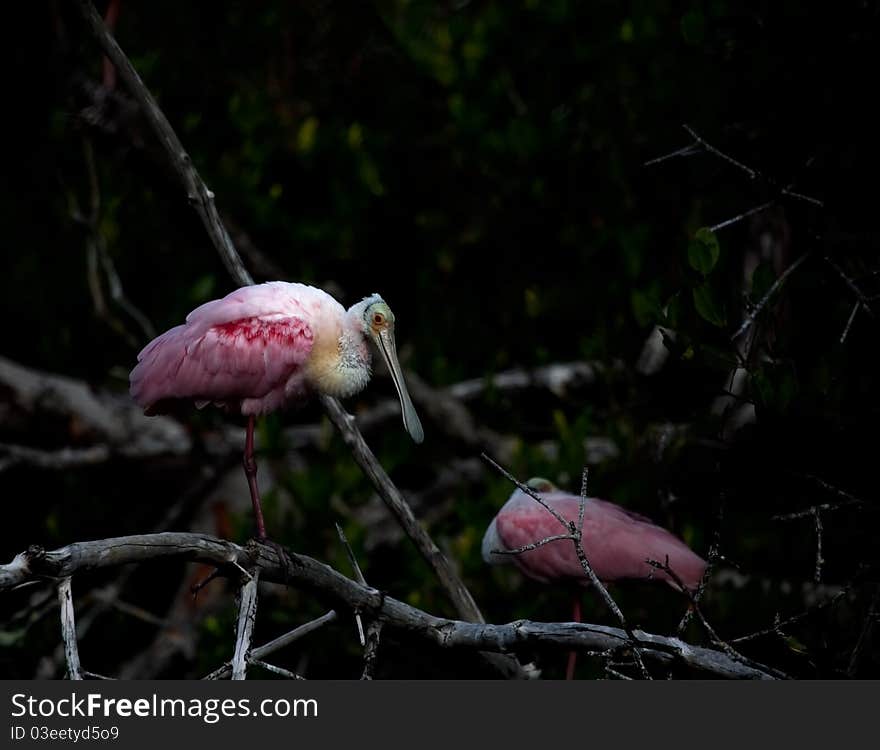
[[287, 568], [101, 417], [68, 629], [557, 378], [455, 588], [247, 615], [276, 644], [713, 635], [860, 295], [750, 318]]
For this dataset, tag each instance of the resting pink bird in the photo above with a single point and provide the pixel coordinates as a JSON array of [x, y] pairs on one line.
[[617, 542], [265, 347]]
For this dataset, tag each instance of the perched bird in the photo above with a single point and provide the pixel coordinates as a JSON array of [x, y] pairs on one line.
[[265, 347], [617, 542]]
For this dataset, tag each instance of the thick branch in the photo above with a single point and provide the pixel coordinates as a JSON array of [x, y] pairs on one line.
[[279, 566]]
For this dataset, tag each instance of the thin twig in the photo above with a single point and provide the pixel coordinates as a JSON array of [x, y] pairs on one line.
[[360, 579], [750, 318], [689, 150], [752, 173], [273, 668], [743, 215], [820, 560], [849, 322], [864, 635], [778, 625], [614, 673], [813, 509], [852, 285], [68, 629], [715, 638], [713, 556], [278, 643], [534, 545]]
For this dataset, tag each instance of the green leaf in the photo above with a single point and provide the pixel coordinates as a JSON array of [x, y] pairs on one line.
[[708, 306], [645, 306], [763, 278], [703, 251]]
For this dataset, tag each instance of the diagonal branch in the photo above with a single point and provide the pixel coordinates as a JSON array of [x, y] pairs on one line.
[[451, 582]]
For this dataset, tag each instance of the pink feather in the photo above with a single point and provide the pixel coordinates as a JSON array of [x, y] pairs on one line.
[[617, 542], [245, 351]]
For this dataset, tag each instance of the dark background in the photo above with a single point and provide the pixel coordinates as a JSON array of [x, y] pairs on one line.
[[482, 166]]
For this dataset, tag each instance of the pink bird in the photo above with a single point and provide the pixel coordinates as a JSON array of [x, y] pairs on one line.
[[265, 347], [617, 542]]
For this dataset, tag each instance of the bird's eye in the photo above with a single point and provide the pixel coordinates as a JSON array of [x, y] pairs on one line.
[[378, 318]]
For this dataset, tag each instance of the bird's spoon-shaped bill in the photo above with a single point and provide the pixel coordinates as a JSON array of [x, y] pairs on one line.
[[385, 344]]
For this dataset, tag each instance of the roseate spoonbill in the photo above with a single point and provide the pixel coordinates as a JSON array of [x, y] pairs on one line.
[[617, 542], [265, 347]]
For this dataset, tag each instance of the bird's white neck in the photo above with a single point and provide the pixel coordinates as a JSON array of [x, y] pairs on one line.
[[340, 361]]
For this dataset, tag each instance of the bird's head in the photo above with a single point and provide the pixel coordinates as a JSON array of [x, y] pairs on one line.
[[377, 323], [539, 484]]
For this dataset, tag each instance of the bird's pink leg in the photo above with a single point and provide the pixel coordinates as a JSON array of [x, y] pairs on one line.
[[572, 655], [250, 470]]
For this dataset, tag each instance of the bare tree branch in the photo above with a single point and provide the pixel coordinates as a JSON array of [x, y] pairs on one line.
[[750, 318], [779, 624], [278, 643], [371, 652], [557, 378], [68, 629], [287, 568], [272, 668], [820, 559], [247, 615], [358, 575], [849, 321], [455, 588], [713, 635], [860, 295]]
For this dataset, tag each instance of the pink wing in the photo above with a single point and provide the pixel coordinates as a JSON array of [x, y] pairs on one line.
[[245, 350], [617, 542]]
